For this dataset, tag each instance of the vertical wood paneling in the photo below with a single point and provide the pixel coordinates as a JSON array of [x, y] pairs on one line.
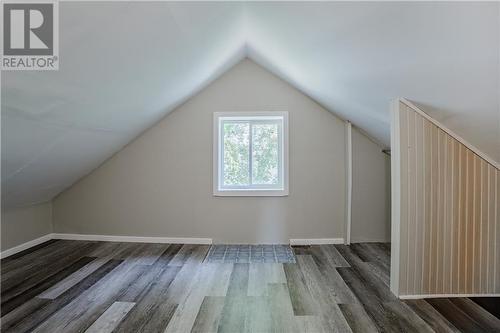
[[483, 239], [428, 207], [469, 228], [491, 230], [448, 201], [463, 220], [434, 208], [440, 237], [497, 232], [403, 268], [410, 121], [455, 216], [476, 238], [419, 230], [448, 212]]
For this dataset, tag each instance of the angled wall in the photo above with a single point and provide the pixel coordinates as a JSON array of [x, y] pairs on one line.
[[161, 183], [445, 220]]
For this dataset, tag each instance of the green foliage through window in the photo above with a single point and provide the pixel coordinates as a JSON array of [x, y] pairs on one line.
[[251, 152], [265, 160], [236, 153]]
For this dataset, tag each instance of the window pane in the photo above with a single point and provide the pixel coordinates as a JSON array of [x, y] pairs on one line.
[[236, 153], [265, 154]]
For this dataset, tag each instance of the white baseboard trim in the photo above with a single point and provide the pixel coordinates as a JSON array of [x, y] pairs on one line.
[[446, 296], [372, 240], [107, 238], [142, 239], [316, 241], [25, 246], [134, 239]]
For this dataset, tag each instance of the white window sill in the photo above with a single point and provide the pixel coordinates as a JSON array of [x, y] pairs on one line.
[[250, 193]]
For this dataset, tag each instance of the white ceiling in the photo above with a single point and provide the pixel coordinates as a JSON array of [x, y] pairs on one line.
[[124, 65]]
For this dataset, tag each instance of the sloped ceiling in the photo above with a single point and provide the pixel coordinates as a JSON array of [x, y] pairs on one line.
[[124, 65]]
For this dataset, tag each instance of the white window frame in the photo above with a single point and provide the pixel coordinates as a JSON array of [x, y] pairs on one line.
[[254, 191]]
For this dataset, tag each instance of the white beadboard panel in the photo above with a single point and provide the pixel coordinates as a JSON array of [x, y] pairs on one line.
[[446, 212]]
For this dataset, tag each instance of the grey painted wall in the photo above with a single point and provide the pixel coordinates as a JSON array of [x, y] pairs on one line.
[[20, 225], [371, 191], [161, 183]]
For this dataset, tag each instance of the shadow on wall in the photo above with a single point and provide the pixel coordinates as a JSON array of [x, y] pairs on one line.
[[371, 191]]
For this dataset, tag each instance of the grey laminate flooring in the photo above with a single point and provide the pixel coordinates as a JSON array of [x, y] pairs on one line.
[[80, 286]]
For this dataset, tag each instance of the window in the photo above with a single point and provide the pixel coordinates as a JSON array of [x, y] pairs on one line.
[[251, 154]]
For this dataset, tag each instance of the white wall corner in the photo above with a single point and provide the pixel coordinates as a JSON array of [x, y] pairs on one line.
[[348, 215], [25, 246]]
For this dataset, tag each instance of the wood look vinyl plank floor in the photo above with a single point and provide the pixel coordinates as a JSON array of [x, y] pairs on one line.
[[78, 286]]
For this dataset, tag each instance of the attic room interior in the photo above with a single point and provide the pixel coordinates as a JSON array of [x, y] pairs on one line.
[[250, 166]]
